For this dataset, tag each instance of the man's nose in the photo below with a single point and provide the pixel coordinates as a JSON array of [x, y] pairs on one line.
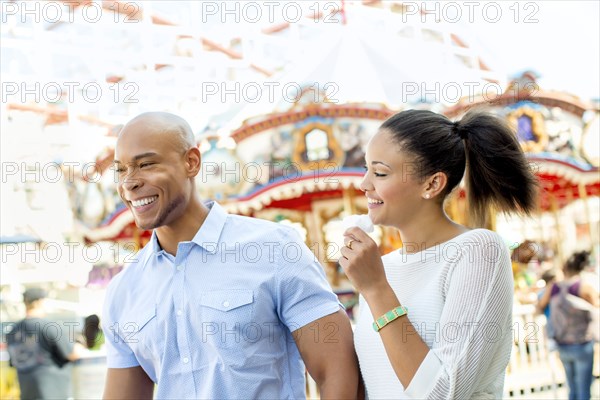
[[131, 183]]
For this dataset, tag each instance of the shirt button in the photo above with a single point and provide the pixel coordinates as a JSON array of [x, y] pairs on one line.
[[186, 360], [180, 268], [178, 312], [225, 304]]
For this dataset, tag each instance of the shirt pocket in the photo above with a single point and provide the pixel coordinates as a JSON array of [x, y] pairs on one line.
[[138, 331], [226, 316]]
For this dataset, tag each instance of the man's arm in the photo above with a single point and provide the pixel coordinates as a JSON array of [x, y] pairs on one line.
[[128, 383], [327, 348]]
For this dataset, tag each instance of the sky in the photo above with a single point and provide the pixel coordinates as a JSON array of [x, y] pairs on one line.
[[563, 46]]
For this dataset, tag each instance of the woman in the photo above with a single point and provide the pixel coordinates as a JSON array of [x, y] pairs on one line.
[[448, 292], [94, 338], [574, 338]]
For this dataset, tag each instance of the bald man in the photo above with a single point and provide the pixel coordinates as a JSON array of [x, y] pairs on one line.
[[215, 305]]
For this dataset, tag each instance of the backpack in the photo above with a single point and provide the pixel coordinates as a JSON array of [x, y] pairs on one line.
[[24, 348], [571, 317]]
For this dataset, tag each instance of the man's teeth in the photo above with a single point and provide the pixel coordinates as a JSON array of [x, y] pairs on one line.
[[144, 201], [373, 201]]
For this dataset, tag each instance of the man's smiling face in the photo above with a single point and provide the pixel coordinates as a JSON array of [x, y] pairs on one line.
[[151, 168]]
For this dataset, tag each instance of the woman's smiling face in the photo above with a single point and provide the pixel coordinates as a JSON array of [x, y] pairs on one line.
[[391, 182]]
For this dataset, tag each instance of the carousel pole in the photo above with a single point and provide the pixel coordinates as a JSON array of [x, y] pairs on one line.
[[554, 208], [321, 245], [588, 216], [540, 222], [348, 199]]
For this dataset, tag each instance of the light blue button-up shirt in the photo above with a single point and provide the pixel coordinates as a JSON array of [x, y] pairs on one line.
[[215, 321]]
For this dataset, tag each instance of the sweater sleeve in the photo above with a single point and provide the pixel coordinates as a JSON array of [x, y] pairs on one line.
[[474, 333]]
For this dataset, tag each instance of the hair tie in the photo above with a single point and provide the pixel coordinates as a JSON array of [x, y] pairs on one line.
[[458, 130]]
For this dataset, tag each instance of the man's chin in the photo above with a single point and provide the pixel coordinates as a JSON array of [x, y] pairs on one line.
[[144, 225]]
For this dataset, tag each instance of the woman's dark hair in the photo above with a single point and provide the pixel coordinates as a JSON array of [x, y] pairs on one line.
[[578, 261], [91, 328], [497, 172]]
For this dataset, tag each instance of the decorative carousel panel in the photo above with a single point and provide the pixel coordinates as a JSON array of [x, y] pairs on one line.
[[564, 132], [353, 135], [529, 125], [223, 174], [315, 147], [542, 129]]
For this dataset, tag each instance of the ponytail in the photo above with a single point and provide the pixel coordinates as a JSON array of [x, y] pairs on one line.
[[497, 172]]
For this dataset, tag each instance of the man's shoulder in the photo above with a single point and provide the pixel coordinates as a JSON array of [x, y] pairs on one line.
[[282, 241], [251, 221], [253, 226], [132, 269], [28, 322], [29, 326]]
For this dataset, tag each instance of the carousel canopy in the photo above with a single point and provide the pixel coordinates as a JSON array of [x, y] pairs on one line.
[[563, 182]]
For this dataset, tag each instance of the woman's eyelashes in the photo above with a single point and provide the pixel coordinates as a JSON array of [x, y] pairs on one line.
[[377, 174]]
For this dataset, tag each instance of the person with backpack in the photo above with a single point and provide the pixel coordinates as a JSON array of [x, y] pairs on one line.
[[573, 317], [41, 351]]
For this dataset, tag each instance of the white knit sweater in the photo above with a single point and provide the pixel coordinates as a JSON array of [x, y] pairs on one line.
[[459, 298]]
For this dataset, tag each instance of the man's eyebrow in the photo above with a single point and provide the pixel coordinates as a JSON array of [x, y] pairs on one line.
[[138, 157]]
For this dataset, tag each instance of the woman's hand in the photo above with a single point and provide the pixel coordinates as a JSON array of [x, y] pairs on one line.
[[362, 263]]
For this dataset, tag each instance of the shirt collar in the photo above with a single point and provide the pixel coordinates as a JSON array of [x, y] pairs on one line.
[[209, 233], [154, 243]]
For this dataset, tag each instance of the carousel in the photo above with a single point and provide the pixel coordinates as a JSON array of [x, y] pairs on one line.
[[303, 167]]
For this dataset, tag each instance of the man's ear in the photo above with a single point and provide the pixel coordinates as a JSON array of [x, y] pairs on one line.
[[434, 185], [193, 161]]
